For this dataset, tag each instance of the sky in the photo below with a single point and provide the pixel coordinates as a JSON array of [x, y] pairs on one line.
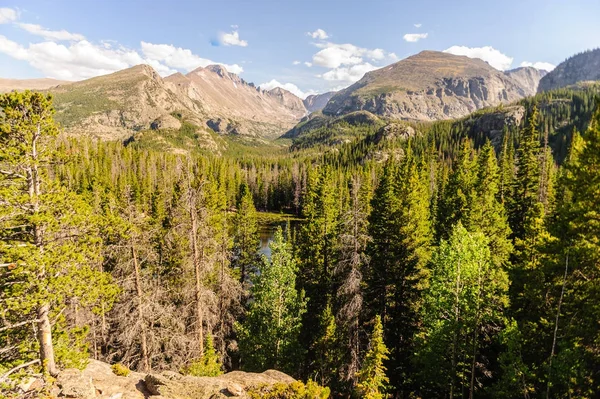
[[304, 46]]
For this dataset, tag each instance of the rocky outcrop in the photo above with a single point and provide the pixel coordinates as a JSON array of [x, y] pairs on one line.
[[492, 124], [582, 67], [393, 131], [316, 102], [528, 78], [97, 381], [427, 86], [234, 384]]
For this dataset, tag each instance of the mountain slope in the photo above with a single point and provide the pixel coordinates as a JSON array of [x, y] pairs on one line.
[[117, 105], [230, 105], [8, 85], [316, 102], [579, 68], [428, 86], [528, 78]]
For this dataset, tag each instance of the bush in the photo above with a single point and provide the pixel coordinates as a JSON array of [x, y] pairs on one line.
[[120, 370], [295, 390]]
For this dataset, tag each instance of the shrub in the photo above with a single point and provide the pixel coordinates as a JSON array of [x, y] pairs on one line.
[[295, 390], [120, 370]]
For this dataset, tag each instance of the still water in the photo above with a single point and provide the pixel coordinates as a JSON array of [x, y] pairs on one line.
[[267, 230]]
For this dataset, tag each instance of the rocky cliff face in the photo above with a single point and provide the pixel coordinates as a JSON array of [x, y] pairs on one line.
[[316, 102], [427, 86], [288, 100], [528, 78], [579, 68]]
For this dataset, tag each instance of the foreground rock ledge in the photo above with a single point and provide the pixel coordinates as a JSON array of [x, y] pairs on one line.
[[98, 381]]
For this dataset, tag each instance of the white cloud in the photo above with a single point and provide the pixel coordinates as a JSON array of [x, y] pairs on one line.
[[334, 55], [7, 15], [487, 53], [83, 59], [546, 66], [80, 60], [308, 64], [418, 25], [347, 62], [350, 73], [296, 62], [414, 37], [292, 88], [232, 39], [318, 34], [180, 58], [51, 34]]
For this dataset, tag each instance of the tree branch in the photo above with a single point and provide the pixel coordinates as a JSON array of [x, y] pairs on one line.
[[22, 366], [18, 325]]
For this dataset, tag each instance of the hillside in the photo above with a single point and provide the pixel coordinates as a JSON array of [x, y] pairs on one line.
[[7, 85], [428, 86], [582, 67], [316, 102]]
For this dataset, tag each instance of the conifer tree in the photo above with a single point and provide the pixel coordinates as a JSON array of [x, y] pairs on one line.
[[246, 240], [209, 365], [352, 261], [269, 335], [457, 201], [371, 379], [488, 214], [48, 237]]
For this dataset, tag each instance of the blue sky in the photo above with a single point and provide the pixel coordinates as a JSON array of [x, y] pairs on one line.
[[305, 46]]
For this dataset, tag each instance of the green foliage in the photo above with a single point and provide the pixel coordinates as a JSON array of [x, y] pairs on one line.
[[269, 336], [294, 390], [463, 311], [208, 365], [371, 379], [48, 235], [120, 370]]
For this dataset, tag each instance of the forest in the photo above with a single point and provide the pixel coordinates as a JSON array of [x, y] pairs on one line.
[[448, 268]]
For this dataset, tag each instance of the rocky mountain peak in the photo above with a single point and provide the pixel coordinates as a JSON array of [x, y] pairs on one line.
[[527, 77], [219, 70], [430, 85]]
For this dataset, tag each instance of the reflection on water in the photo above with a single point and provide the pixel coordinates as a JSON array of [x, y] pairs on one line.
[[267, 233]]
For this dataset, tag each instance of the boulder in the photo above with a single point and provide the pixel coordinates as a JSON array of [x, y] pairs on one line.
[[74, 384]]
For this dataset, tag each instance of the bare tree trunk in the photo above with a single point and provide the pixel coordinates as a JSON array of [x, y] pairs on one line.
[[44, 331], [562, 294], [140, 303]]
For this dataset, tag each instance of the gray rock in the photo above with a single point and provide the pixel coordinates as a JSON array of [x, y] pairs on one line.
[[74, 384]]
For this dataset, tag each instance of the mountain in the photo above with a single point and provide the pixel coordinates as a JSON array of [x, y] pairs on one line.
[[8, 85], [578, 68], [428, 86], [117, 105], [133, 101], [528, 78], [316, 102], [230, 105]]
